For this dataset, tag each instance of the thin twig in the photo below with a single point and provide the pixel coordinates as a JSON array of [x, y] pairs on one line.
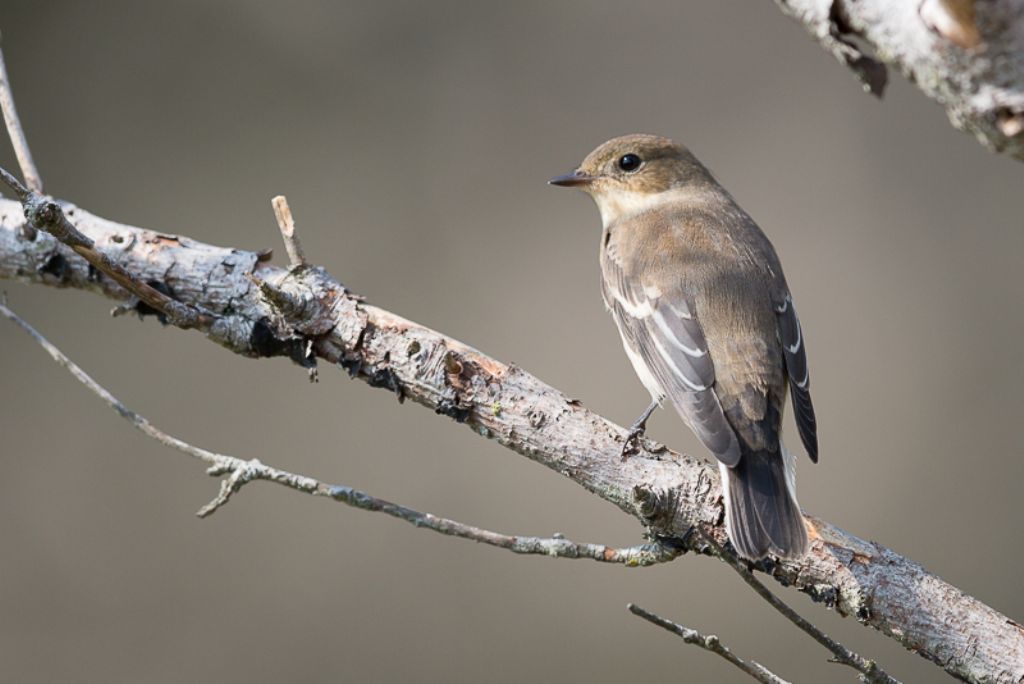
[[297, 259], [869, 670], [710, 642], [296, 255], [15, 131], [240, 472], [45, 214]]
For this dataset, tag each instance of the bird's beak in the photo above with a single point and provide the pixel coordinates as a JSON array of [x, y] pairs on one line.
[[572, 180]]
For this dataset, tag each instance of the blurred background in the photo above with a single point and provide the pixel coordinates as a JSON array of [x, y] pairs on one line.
[[413, 141]]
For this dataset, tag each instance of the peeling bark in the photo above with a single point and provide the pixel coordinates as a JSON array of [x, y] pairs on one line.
[[967, 55], [305, 314]]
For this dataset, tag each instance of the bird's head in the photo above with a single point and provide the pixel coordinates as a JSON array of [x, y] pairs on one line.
[[634, 173]]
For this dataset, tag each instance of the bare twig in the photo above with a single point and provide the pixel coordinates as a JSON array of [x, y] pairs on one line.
[[240, 472], [16, 133], [297, 259], [296, 255], [869, 669], [710, 642], [45, 214]]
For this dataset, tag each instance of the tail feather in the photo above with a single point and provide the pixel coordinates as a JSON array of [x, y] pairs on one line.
[[762, 514]]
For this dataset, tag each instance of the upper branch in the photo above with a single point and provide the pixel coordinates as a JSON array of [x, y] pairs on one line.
[[260, 310], [968, 55]]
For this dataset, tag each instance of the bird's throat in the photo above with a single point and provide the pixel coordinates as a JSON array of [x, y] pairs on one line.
[[617, 205]]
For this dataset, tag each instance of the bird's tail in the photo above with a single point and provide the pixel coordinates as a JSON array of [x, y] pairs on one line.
[[761, 511]]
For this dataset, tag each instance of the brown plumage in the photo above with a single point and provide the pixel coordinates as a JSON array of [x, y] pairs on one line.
[[707, 320]]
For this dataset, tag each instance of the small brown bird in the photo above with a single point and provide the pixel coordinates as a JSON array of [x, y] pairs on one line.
[[707, 320]]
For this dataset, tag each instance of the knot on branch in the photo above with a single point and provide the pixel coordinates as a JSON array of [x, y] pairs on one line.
[[45, 214], [300, 301], [656, 507], [301, 310], [458, 378], [242, 473], [470, 384]]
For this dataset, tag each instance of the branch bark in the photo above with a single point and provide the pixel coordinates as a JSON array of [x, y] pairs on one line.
[[967, 55], [260, 310]]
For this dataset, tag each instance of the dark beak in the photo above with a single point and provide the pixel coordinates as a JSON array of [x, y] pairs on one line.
[[572, 180]]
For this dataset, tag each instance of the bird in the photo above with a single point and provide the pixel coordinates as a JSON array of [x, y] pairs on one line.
[[708, 322]]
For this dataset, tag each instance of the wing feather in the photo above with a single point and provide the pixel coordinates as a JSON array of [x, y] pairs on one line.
[[662, 333], [795, 353]]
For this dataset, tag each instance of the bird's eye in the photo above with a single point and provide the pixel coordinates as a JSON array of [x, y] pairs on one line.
[[629, 162]]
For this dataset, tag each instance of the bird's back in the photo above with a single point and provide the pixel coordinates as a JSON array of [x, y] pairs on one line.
[[719, 261]]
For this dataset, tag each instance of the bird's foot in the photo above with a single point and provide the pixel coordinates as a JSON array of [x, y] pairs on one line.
[[635, 436], [633, 443]]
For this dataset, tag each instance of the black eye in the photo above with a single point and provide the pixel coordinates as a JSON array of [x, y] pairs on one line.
[[629, 162]]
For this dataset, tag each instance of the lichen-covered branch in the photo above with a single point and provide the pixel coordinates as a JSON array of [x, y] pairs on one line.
[[967, 55], [260, 310]]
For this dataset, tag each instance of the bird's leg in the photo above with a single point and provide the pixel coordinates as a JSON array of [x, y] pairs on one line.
[[637, 430]]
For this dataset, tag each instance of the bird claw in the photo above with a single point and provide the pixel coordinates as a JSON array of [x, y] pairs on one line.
[[634, 443], [634, 438]]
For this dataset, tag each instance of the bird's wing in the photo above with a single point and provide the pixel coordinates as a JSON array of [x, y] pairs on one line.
[[795, 354], [661, 332]]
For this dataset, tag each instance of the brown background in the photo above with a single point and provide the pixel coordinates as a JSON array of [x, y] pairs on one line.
[[414, 140]]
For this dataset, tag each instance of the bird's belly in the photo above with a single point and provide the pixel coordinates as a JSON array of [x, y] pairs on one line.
[[643, 372]]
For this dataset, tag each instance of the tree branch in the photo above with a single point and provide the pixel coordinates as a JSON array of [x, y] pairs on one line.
[[44, 214], [967, 55], [259, 310], [241, 472], [709, 642]]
